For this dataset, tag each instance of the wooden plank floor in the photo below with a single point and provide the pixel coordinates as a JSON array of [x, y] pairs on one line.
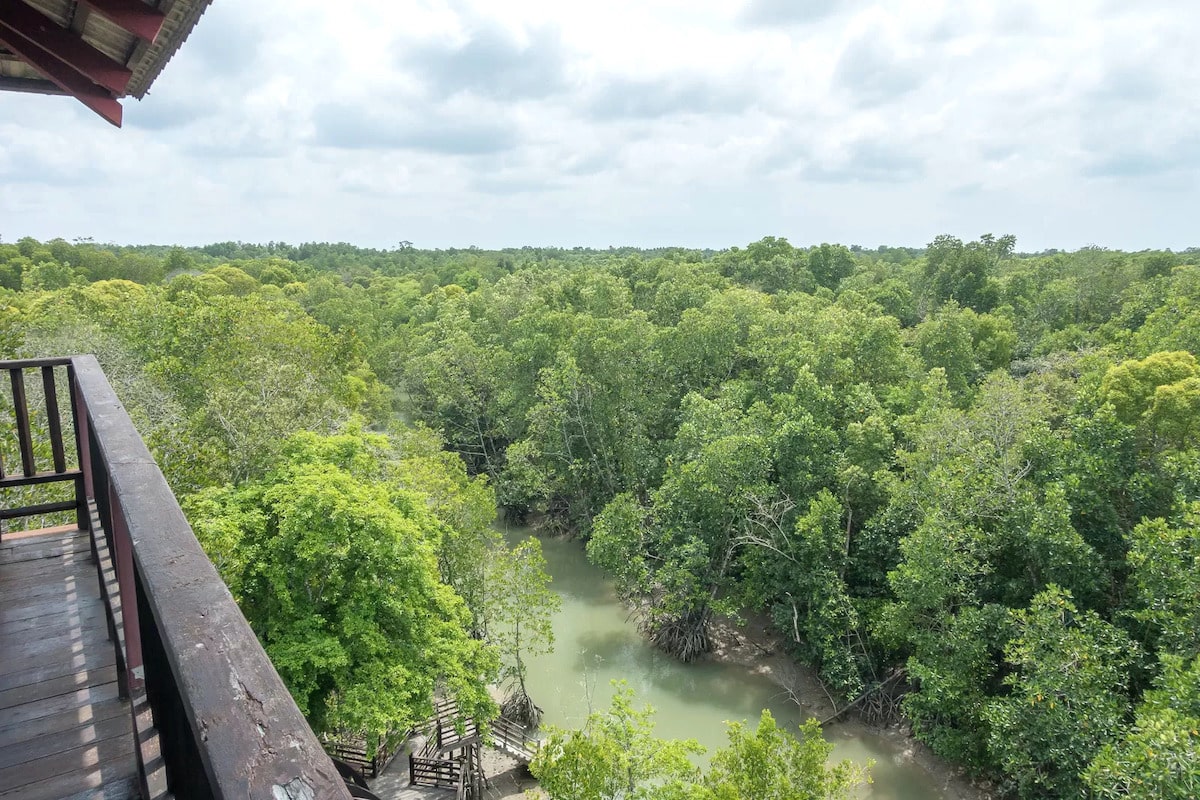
[[64, 732], [393, 784]]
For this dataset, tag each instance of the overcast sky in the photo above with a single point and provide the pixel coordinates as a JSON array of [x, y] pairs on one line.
[[703, 123]]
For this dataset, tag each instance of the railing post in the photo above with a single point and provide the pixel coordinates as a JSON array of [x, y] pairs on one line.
[[21, 409], [127, 587], [85, 488]]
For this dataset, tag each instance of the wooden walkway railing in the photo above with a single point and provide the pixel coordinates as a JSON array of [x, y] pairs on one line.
[[58, 470], [511, 738], [450, 757], [354, 753], [452, 731], [440, 763], [226, 725]]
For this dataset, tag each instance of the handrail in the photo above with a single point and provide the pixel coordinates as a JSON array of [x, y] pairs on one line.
[[30, 473], [227, 726], [354, 752], [513, 735], [32, 363], [460, 792]]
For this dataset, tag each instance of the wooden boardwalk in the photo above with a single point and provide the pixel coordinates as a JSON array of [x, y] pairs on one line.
[[64, 732], [395, 784]]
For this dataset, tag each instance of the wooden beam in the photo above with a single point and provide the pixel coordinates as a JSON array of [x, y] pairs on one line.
[[67, 79], [30, 85], [141, 20], [37, 510], [67, 47], [79, 18]]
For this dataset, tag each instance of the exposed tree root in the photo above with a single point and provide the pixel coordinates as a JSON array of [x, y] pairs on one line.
[[684, 637], [878, 704], [520, 708]]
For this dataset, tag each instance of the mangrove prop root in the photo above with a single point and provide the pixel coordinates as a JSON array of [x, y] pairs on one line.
[[684, 637], [520, 708], [878, 701]]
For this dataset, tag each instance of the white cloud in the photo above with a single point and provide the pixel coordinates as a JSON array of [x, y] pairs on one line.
[[693, 122]]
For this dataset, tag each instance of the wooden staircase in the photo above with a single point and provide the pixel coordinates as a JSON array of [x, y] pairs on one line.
[[450, 758], [512, 739]]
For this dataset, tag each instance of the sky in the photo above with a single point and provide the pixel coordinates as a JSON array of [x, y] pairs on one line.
[[698, 123]]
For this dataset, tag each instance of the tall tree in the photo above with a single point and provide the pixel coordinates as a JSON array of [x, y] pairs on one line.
[[1159, 756], [963, 272], [1069, 695], [521, 606], [1165, 583], [338, 577]]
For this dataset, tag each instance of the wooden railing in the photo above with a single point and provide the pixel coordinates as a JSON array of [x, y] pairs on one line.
[[209, 708], [59, 470], [470, 784], [449, 757], [451, 730], [355, 753], [441, 773], [513, 739]]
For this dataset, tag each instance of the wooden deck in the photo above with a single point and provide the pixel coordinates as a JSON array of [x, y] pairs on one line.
[[64, 732], [395, 782]]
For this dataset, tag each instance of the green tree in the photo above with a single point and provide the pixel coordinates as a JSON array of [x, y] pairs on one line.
[[678, 555], [614, 755], [963, 272], [829, 264], [1165, 581], [976, 550], [455, 384], [465, 505], [798, 568], [769, 265], [965, 344], [1173, 418], [952, 633], [521, 607], [47, 275], [177, 262], [768, 763], [338, 577], [1069, 695], [588, 434], [619, 546], [1131, 385], [1158, 758]]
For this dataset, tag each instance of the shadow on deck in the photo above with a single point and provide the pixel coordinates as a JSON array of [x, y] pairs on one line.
[[64, 729]]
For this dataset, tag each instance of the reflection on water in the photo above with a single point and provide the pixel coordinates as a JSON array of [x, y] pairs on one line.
[[596, 642]]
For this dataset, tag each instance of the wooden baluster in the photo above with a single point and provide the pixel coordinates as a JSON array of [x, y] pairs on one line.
[[55, 421], [122, 557], [21, 406], [84, 488]]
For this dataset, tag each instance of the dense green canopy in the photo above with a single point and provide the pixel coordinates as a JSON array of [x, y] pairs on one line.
[[963, 481], [337, 573]]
